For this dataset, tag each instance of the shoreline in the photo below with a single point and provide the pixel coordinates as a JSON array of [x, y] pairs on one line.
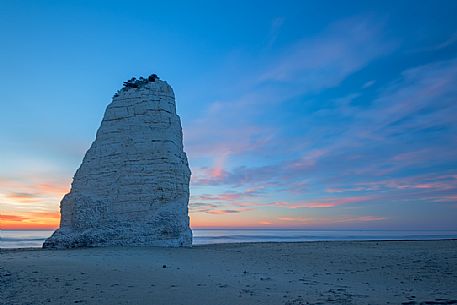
[[287, 273], [35, 239], [232, 243]]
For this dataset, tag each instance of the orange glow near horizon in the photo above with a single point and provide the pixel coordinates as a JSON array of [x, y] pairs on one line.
[[50, 221], [34, 206], [30, 204], [30, 221], [40, 221]]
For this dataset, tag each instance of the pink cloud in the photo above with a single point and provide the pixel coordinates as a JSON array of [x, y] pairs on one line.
[[220, 212], [445, 198], [425, 182], [359, 219], [308, 160], [323, 203], [293, 219], [228, 196], [300, 222]]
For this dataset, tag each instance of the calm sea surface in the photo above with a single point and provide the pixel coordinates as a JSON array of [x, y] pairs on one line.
[[24, 239]]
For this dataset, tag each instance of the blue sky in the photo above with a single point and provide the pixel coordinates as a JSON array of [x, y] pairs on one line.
[[304, 115]]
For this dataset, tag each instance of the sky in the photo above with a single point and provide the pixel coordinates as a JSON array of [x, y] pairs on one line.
[[298, 114]]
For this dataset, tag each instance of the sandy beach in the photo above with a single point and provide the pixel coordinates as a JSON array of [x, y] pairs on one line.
[[369, 272]]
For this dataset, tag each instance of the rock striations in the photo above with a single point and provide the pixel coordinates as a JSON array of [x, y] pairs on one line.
[[132, 187]]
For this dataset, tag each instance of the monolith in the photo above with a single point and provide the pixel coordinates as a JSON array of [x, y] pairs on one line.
[[132, 188]]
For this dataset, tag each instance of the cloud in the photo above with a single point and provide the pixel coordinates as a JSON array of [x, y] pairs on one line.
[[33, 186], [216, 203], [436, 182], [358, 219], [276, 26], [325, 60], [23, 197], [294, 219], [219, 212], [11, 217], [277, 174], [451, 40], [322, 221], [450, 198], [323, 203], [422, 98], [227, 196]]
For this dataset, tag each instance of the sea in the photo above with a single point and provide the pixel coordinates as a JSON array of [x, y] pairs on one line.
[[35, 239]]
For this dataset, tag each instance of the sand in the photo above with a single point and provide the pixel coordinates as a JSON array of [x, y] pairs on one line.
[[369, 272]]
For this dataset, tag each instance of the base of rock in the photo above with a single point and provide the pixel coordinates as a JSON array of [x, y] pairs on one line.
[[64, 239]]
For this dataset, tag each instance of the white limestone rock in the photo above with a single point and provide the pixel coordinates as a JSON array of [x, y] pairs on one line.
[[132, 187]]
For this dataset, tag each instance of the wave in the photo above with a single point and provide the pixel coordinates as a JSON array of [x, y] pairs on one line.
[[262, 237], [16, 239], [240, 238]]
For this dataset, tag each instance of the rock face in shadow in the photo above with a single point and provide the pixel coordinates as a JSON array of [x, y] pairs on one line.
[[132, 187]]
